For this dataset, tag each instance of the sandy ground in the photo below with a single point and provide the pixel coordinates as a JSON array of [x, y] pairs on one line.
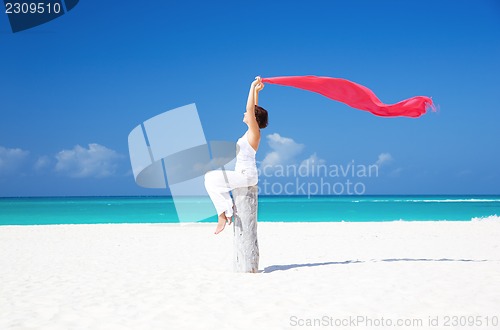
[[312, 276]]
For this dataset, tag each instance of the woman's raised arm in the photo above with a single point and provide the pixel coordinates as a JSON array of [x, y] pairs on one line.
[[253, 125], [252, 95]]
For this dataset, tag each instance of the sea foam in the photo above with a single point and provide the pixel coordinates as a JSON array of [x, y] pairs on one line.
[[488, 218]]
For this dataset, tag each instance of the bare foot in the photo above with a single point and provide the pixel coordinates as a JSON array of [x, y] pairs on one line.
[[222, 223]]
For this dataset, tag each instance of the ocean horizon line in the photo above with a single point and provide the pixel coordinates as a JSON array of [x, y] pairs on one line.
[[261, 195]]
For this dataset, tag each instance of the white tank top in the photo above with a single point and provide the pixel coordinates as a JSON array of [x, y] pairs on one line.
[[245, 157]]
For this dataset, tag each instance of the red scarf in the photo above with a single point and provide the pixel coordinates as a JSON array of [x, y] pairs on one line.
[[355, 95]]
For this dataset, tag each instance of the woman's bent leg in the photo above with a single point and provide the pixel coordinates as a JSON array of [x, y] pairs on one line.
[[218, 185], [218, 190]]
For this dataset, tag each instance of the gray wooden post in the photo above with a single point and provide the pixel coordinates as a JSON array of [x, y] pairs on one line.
[[246, 247]]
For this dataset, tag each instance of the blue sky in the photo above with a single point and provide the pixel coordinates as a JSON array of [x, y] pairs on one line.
[[73, 89]]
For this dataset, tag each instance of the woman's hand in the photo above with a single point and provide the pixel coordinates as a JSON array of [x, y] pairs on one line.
[[258, 80], [258, 84]]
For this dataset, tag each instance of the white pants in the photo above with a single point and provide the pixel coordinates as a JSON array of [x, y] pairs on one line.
[[219, 183]]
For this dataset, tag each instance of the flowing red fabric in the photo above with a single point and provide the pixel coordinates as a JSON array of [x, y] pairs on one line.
[[355, 95]]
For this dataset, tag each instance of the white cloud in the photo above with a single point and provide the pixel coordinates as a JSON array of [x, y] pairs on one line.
[[284, 150], [96, 161], [384, 159], [311, 165], [42, 163], [11, 159], [396, 173], [312, 161]]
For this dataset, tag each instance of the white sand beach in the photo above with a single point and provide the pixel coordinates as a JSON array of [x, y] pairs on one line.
[[171, 276]]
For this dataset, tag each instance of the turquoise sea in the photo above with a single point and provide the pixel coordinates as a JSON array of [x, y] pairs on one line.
[[87, 210]]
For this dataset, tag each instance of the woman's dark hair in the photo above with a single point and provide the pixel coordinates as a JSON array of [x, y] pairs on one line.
[[261, 116]]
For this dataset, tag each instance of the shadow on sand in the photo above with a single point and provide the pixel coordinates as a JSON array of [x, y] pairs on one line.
[[274, 268]]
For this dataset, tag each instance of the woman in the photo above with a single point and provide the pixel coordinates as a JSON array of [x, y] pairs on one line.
[[220, 183]]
